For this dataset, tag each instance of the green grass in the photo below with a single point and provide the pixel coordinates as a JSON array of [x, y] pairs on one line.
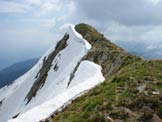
[[118, 97], [88, 106], [103, 100]]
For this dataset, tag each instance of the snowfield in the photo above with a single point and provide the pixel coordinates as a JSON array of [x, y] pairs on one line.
[[56, 92], [47, 108]]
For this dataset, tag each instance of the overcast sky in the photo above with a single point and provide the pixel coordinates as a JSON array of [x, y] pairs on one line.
[[29, 27]]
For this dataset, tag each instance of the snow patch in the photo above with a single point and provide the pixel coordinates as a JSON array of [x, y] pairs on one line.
[[54, 94], [87, 76]]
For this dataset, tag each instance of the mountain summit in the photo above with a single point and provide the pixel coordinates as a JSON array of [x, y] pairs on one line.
[[85, 78]]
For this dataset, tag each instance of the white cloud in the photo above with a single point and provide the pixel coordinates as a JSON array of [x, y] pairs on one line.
[[120, 20], [116, 31], [33, 2], [64, 28], [154, 2], [51, 6], [39, 7], [12, 7], [43, 23], [45, 7]]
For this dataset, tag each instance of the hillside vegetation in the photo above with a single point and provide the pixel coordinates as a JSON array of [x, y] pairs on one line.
[[132, 91]]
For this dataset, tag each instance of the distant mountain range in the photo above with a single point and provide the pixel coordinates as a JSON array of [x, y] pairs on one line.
[[14, 71], [146, 49]]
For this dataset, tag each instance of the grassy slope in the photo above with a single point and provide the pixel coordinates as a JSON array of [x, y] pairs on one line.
[[119, 97]]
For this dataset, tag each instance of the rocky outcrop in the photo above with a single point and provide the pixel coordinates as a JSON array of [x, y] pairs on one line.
[[103, 52], [43, 72]]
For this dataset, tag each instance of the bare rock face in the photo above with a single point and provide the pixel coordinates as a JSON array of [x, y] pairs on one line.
[[155, 118], [103, 52], [148, 113]]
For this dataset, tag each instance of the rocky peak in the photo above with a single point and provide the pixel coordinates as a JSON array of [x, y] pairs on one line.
[[103, 51]]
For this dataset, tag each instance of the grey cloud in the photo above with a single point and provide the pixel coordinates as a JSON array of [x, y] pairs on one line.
[[126, 20], [127, 12]]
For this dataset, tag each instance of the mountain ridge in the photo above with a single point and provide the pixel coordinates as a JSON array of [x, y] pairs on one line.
[[87, 79], [132, 93]]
